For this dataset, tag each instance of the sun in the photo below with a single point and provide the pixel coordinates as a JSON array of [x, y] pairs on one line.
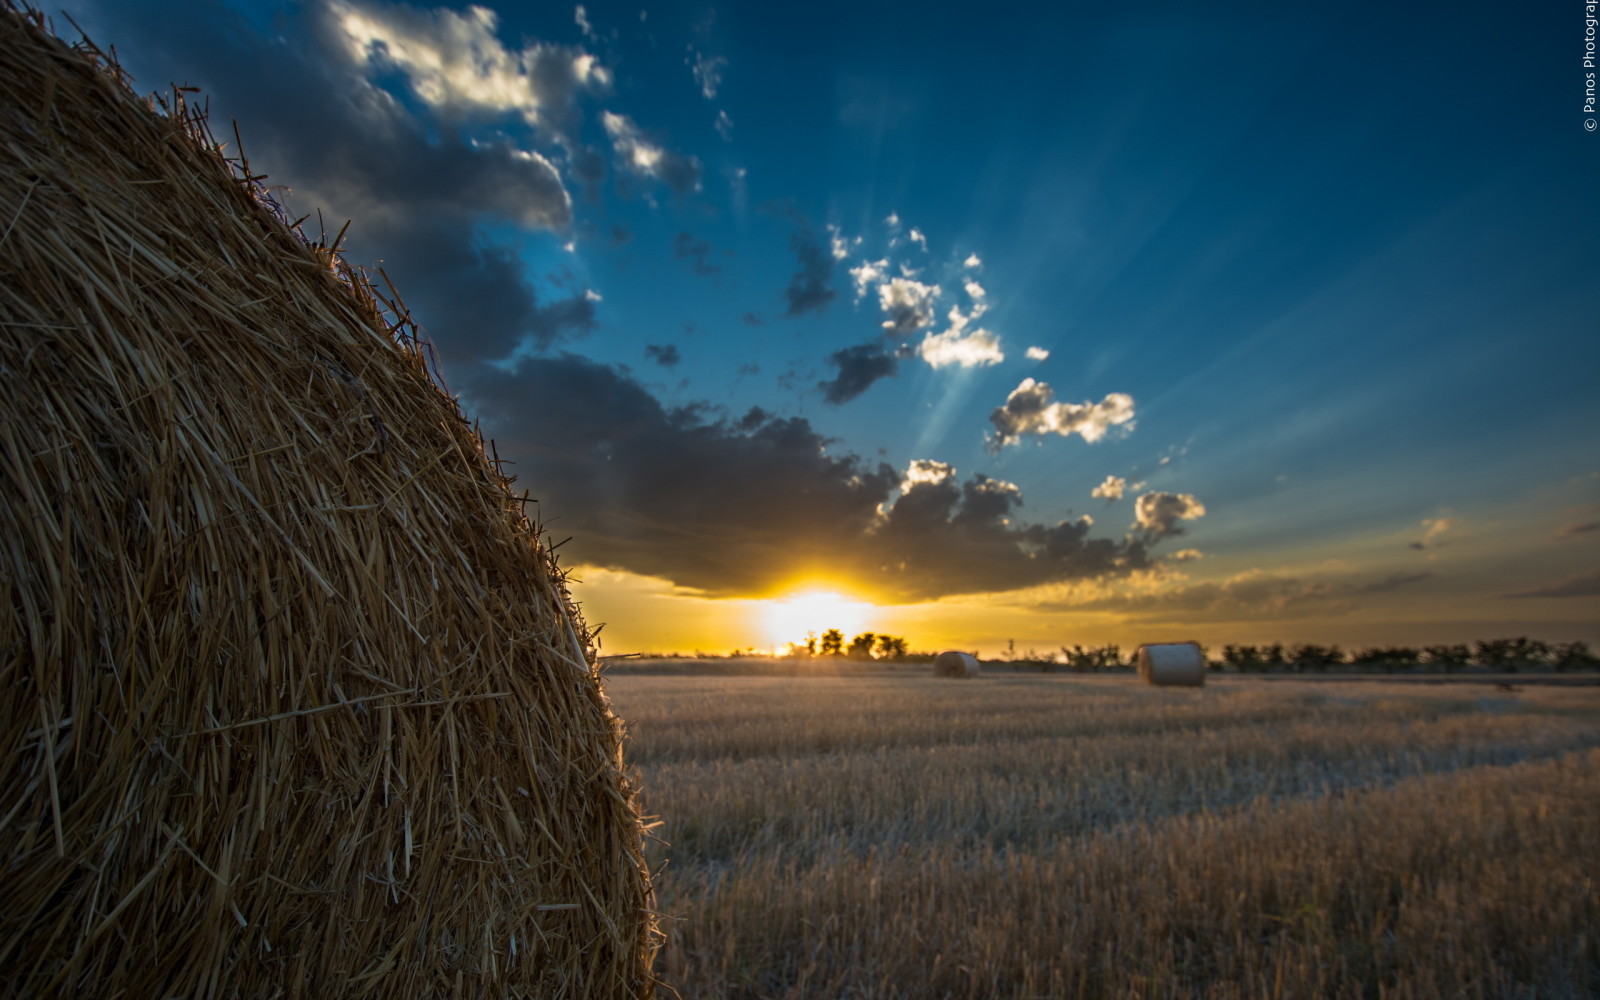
[[792, 618]]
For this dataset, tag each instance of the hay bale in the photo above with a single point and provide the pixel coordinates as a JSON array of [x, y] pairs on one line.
[[1171, 664], [296, 702], [954, 663]]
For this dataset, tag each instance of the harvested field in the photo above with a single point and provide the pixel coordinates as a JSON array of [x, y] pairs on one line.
[[910, 837]]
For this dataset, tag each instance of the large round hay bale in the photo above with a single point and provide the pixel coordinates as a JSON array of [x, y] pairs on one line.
[[296, 703], [1171, 664], [954, 663]]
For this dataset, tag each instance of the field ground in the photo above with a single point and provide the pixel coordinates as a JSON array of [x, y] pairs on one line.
[[896, 835]]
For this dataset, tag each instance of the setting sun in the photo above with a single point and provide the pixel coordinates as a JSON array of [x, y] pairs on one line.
[[792, 618]]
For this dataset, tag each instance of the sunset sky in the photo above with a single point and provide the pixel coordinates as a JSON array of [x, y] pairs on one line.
[[977, 324]]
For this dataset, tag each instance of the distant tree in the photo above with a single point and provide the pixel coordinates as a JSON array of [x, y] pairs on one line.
[[1244, 659], [1318, 658], [1573, 656], [1387, 658], [832, 642], [861, 646], [1447, 658], [811, 644], [1272, 656], [891, 647], [1511, 655], [1081, 660]]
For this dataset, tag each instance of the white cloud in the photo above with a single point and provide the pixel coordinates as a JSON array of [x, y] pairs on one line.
[[581, 18], [1111, 489], [1038, 354], [1158, 514], [980, 347], [1187, 555], [593, 296], [645, 158], [926, 470], [1029, 410], [454, 61], [916, 237], [868, 273], [979, 297], [841, 245], [972, 261], [908, 305], [724, 126]]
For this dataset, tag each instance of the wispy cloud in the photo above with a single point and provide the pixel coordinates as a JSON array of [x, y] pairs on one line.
[[644, 158], [696, 253], [665, 355], [1585, 584], [707, 71], [1434, 530]]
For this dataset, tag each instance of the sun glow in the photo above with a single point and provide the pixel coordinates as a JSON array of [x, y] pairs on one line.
[[812, 612]]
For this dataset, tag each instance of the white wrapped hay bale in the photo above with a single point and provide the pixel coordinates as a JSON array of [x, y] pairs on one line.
[[954, 663], [1171, 664]]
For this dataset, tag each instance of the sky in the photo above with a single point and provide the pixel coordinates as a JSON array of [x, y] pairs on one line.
[[998, 327]]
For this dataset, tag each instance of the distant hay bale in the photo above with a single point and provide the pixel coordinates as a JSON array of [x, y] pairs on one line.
[[954, 663], [295, 701], [1171, 664]]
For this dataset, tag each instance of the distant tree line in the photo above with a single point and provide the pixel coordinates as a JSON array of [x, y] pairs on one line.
[[1502, 655], [1506, 655], [866, 646]]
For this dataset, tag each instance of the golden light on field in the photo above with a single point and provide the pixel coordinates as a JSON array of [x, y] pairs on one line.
[[790, 619]]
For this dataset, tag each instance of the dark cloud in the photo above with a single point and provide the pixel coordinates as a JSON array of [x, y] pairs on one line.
[[1585, 584], [939, 538], [665, 355], [808, 288], [1578, 529], [1393, 582], [416, 190], [723, 506], [744, 505], [752, 319], [859, 367], [696, 253]]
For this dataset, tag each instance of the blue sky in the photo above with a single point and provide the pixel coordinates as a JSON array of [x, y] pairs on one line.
[[754, 295]]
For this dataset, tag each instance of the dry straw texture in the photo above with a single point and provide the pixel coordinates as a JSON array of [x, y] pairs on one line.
[[295, 702]]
